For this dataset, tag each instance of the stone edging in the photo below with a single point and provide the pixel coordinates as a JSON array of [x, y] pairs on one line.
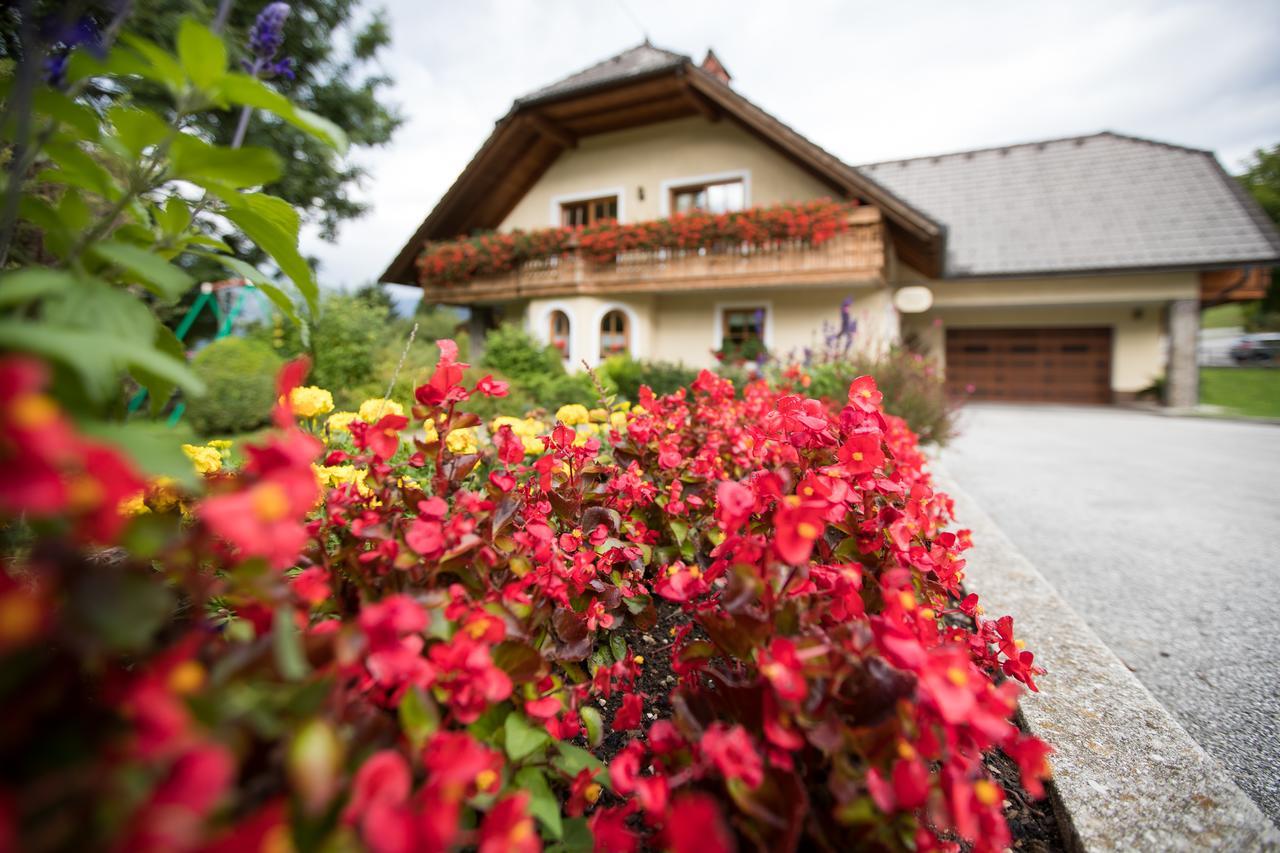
[[1127, 776]]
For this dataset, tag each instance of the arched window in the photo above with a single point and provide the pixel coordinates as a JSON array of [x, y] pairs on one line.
[[559, 332], [615, 334]]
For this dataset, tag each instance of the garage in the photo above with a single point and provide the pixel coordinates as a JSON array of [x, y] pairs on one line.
[[1058, 365]]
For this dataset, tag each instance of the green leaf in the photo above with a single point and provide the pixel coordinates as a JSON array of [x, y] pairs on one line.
[[199, 162], [419, 716], [174, 217], [618, 645], [286, 644], [50, 102], [137, 129], [120, 62], [97, 357], [276, 233], [679, 529], [158, 64], [151, 271], [97, 307], [577, 837], [202, 54], [248, 91], [154, 447], [522, 738], [542, 802], [278, 297], [82, 170], [572, 760], [32, 283], [594, 724], [160, 389]]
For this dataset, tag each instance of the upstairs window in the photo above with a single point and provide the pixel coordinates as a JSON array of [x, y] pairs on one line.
[[589, 212], [615, 334], [743, 326], [712, 197], [559, 332]]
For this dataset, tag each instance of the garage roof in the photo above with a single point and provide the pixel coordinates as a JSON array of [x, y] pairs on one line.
[[1084, 204]]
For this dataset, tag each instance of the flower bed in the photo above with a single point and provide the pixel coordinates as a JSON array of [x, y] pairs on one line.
[[456, 261], [417, 656]]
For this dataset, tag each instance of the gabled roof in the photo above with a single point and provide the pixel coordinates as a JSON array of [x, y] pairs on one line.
[[640, 86], [1104, 202], [637, 61]]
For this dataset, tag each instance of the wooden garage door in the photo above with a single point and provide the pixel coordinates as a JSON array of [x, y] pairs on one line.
[[1054, 365]]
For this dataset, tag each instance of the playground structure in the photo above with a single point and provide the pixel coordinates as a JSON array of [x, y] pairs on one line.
[[237, 293]]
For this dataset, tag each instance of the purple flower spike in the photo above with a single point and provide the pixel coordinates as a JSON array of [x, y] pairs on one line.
[[268, 31]]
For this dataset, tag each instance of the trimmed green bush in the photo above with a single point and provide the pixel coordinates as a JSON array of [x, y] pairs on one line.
[[626, 375], [240, 375]]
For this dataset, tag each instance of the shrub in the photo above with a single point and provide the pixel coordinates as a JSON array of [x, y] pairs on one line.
[[626, 375], [515, 353], [239, 375], [913, 389], [428, 650]]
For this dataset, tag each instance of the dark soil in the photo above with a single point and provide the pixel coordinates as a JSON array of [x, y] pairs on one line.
[[1032, 823]]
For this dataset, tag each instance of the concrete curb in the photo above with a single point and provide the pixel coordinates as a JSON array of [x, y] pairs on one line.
[[1127, 776]]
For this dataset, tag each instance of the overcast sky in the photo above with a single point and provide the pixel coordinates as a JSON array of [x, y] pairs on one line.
[[866, 80]]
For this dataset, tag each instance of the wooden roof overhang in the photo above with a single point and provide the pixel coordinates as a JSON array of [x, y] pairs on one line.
[[528, 139]]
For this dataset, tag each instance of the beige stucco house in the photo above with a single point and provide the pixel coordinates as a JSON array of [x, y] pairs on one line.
[[1069, 270]]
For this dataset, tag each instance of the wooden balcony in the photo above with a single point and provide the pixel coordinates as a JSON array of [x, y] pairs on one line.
[[854, 256]]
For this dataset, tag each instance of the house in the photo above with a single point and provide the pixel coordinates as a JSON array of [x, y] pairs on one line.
[[1067, 270]]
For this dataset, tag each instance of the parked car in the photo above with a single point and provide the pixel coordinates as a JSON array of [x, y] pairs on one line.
[[1257, 349]]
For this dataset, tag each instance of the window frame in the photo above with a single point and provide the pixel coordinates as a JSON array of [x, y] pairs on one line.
[[718, 320], [557, 203], [590, 208], [627, 332], [670, 186], [552, 337]]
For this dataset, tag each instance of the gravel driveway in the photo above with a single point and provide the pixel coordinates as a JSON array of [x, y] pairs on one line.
[[1164, 534]]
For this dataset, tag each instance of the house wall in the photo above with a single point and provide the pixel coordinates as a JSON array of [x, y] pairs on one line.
[[685, 328], [643, 158], [1133, 306]]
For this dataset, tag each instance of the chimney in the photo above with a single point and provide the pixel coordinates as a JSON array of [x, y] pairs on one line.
[[713, 66]]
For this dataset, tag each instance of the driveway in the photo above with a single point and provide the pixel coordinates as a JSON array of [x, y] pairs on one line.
[[1164, 534]]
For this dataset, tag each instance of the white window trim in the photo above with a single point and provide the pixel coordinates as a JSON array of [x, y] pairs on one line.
[[542, 326], [569, 198], [664, 203], [633, 330], [717, 320]]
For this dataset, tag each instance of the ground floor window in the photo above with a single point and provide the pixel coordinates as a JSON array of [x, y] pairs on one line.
[[615, 334], [558, 334]]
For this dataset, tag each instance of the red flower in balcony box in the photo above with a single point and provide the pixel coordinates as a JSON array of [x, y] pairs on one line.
[[695, 825], [508, 828], [864, 395], [733, 753], [797, 526], [861, 454]]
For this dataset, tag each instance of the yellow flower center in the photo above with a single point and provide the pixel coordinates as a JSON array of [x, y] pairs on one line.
[[270, 502], [84, 492], [187, 677], [986, 792], [857, 456], [485, 779], [592, 793], [19, 617], [31, 411], [807, 530], [957, 676]]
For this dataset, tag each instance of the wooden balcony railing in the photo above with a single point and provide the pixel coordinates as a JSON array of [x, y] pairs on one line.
[[852, 256]]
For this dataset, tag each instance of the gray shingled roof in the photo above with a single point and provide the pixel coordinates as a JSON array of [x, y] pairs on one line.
[[639, 60], [1089, 203]]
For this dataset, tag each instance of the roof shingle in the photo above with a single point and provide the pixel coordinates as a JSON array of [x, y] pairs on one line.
[[1084, 204], [641, 59]]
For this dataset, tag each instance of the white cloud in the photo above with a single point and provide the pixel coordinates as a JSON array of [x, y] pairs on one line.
[[867, 81]]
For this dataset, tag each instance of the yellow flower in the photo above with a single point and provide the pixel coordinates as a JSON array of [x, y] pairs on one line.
[[618, 419], [598, 416], [371, 411], [429, 433], [532, 445], [136, 505], [308, 401], [163, 494], [340, 421], [573, 413], [220, 443], [332, 476], [206, 460], [462, 441]]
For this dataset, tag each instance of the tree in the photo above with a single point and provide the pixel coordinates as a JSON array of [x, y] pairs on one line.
[[1261, 178], [332, 49]]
